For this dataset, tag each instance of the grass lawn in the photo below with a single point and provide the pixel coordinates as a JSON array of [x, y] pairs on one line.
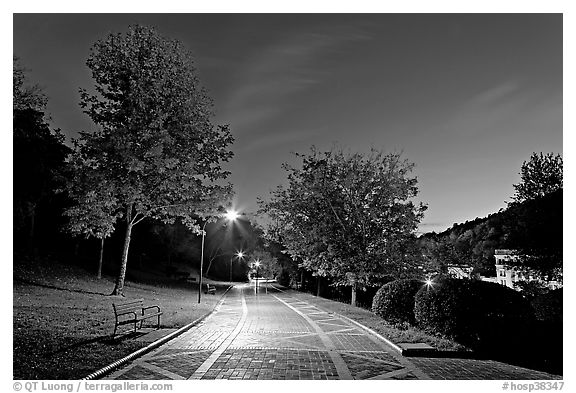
[[63, 318], [396, 334]]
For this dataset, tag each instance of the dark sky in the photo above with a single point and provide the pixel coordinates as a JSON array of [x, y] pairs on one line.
[[467, 98]]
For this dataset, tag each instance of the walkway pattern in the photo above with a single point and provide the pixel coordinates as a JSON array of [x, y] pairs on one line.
[[271, 335]]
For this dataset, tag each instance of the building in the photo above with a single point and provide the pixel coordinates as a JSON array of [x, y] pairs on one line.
[[459, 271], [508, 273]]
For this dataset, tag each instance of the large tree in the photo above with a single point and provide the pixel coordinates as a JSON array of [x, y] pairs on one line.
[[540, 175], [156, 152], [347, 215]]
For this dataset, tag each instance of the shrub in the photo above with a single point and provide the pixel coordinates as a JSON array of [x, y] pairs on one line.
[[548, 307], [474, 313], [395, 301]]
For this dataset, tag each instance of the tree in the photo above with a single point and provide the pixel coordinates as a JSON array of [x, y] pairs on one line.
[[39, 154], [156, 151], [24, 95], [347, 216], [95, 212], [269, 266], [541, 175]]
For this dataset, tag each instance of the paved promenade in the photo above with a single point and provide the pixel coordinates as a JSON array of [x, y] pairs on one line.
[[275, 335], [271, 335]]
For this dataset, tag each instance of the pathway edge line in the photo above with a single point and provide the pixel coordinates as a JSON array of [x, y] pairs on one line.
[[390, 343], [142, 351]]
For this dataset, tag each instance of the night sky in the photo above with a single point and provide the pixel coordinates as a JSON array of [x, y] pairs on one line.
[[467, 98]]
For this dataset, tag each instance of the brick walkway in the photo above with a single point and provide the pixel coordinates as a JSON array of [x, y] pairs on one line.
[[271, 335], [276, 335]]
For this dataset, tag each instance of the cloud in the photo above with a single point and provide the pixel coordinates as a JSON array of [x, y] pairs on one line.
[[494, 94], [266, 83], [488, 111]]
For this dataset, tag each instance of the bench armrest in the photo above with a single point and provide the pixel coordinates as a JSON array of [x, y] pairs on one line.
[[126, 313], [149, 307]]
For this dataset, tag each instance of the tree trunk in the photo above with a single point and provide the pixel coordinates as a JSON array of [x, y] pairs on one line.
[[318, 284], [100, 260], [119, 287], [302, 280], [32, 223], [209, 266], [354, 290], [76, 248], [30, 241]]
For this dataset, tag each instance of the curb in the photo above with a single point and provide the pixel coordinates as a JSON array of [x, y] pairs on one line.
[[142, 351]]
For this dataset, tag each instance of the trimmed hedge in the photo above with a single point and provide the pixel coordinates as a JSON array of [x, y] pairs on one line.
[[394, 301], [475, 313]]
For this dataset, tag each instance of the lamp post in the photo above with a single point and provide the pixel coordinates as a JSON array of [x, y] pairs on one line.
[[257, 264], [231, 216], [239, 255]]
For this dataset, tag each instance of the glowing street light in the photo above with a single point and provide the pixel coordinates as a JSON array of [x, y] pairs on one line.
[[257, 264], [238, 255], [231, 216]]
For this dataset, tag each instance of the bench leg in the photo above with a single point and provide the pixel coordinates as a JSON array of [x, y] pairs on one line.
[[158, 328], [115, 328]]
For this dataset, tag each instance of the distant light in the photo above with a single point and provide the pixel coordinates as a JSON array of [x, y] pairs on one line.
[[429, 282], [257, 263], [240, 254], [232, 215]]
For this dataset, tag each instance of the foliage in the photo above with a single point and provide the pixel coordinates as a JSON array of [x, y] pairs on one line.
[[96, 209], [531, 289], [533, 228], [289, 273], [269, 267], [24, 95], [540, 176], [475, 313], [173, 242], [39, 154], [346, 216], [548, 306], [395, 300], [156, 155]]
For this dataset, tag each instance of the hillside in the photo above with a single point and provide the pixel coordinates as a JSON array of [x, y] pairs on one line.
[[534, 227]]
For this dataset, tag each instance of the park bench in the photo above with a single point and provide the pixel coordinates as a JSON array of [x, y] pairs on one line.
[[133, 311], [210, 289]]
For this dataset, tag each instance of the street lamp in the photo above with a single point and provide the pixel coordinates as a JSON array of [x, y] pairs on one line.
[[239, 255], [429, 282], [257, 264], [231, 216]]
